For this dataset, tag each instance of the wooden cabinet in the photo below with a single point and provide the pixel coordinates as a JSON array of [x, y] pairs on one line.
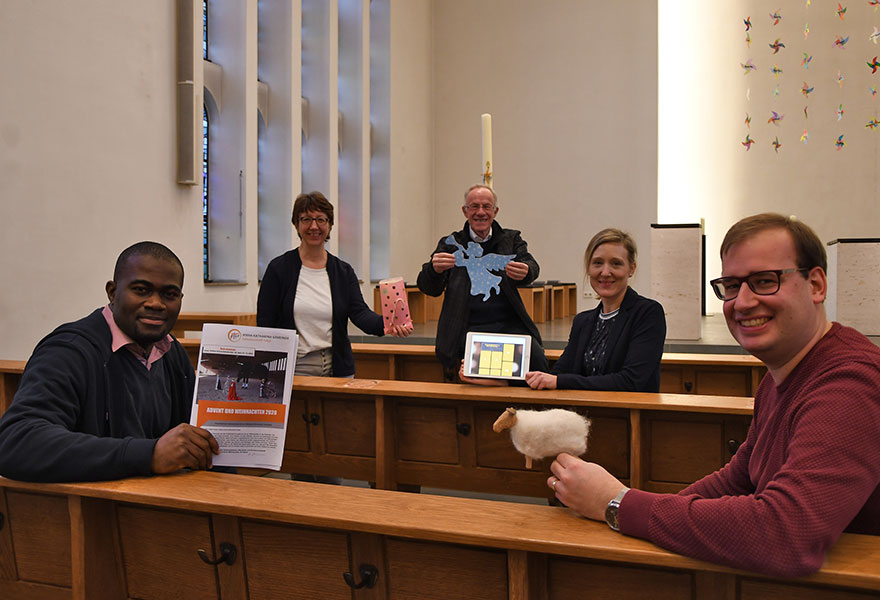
[[409, 434]]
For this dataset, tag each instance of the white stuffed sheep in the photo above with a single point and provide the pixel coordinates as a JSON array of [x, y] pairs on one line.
[[542, 433]]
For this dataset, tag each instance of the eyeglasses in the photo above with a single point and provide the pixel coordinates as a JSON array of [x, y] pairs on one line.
[[319, 220], [472, 208], [762, 283]]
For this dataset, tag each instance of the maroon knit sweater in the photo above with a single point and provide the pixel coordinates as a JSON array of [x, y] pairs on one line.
[[808, 470]]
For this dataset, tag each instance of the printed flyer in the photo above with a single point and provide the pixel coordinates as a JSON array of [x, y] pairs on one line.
[[242, 396]]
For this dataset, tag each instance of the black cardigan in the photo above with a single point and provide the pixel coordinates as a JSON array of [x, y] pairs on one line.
[[278, 291], [635, 348]]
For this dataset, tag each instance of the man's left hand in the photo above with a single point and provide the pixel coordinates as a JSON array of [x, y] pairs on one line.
[[584, 487], [516, 270]]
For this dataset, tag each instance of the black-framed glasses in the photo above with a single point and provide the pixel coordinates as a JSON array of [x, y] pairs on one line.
[[319, 220], [762, 283]]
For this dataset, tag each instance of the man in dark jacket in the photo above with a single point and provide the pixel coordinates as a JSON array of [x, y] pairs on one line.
[[500, 312], [109, 396]]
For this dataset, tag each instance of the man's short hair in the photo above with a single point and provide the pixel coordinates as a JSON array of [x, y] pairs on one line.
[[312, 201], [154, 249], [611, 235], [484, 186], [809, 248]]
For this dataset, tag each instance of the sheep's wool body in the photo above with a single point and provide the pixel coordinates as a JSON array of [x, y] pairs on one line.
[[542, 433]]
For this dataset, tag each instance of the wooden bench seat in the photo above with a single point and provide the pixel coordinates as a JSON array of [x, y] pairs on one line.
[[141, 537]]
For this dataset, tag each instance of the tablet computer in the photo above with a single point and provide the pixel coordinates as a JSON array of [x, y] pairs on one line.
[[497, 355]]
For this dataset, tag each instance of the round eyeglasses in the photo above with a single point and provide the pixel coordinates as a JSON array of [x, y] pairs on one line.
[[762, 283]]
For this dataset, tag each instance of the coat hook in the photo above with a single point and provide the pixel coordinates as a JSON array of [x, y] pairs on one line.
[[369, 574], [227, 555]]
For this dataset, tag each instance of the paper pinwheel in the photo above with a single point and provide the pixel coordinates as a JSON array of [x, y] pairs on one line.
[[748, 21], [807, 58], [872, 124], [748, 121], [748, 66], [841, 42], [840, 143], [874, 65], [748, 142], [776, 70], [776, 144], [806, 90], [841, 10], [776, 17], [806, 30], [873, 37], [840, 112], [776, 46], [775, 118], [805, 137]]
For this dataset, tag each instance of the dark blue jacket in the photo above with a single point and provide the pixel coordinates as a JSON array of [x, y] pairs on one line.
[[70, 418], [635, 348], [278, 291]]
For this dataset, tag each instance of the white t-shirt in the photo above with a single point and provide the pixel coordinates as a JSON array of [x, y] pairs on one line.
[[313, 310]]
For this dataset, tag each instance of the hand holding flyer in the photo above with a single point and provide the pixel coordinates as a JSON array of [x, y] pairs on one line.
[[242, 395]]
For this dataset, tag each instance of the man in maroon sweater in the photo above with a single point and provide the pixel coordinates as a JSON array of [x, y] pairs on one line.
[[809, 468]]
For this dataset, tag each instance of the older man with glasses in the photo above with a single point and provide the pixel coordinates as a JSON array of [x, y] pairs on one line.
[[463, 308], [810, 466]]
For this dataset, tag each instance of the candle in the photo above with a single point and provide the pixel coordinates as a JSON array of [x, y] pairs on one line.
[[486, 168]]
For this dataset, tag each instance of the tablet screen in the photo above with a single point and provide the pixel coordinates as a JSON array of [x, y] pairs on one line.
[[497, 355]]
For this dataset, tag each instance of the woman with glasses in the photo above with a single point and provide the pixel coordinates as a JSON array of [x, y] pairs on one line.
[[310, 290], [618, 344]]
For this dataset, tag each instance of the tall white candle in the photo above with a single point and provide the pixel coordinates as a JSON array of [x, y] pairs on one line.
[[487, 166]]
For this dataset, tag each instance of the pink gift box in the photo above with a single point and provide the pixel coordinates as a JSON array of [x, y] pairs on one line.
[[395, 307]]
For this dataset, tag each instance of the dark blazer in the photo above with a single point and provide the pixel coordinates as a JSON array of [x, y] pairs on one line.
[[452, 326], [635, 348], [278, 291]]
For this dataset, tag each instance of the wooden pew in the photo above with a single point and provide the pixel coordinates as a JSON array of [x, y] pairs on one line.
[[10, 376], [193, 321], [141, 538], [703, 374], [402, 433], [439, 435]]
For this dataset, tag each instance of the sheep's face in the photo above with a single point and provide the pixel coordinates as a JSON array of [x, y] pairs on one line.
[[505, 421]]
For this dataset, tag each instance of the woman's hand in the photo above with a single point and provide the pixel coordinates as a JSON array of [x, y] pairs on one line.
[[538, 380], [401, 330]]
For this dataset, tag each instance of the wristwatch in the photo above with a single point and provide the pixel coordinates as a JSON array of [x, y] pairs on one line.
[[612, 508]]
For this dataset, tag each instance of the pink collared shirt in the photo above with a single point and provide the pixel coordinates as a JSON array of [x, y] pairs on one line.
[[120, 339]]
